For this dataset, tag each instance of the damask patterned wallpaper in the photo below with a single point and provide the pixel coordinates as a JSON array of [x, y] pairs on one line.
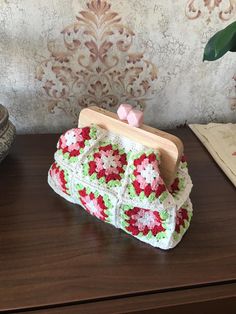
[[58, 56]]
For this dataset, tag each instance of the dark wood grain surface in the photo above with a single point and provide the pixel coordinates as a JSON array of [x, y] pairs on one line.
[[205, 300], [53, 252]]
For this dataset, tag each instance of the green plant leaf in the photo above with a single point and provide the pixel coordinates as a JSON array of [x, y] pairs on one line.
[[233, 48], [222, 42]]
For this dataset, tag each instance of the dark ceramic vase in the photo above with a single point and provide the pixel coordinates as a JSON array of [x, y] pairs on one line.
[[7, 133]]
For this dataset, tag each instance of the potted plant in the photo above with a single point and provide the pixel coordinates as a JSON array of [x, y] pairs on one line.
[[222, 42]]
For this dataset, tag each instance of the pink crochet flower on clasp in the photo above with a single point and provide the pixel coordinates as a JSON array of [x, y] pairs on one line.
[[143, 220], [95, 206], [73, 140]]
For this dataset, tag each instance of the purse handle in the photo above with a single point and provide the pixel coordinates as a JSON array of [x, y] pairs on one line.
[[170, 146]]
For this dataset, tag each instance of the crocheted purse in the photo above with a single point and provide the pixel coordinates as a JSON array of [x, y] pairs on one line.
[[118, 181]]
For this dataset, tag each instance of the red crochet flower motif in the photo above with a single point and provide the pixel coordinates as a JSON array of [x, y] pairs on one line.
[[181, 216], [108, 163], [183, 158], [143, 220], [174, 186], [94, 205], [58, 177], [147, 176], [73, 140]]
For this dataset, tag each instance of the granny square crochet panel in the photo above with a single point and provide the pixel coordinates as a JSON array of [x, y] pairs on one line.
[[119, 182]]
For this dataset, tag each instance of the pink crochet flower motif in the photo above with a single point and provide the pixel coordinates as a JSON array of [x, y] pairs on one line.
[[147, 175], [181, 216], [143, 220], [58, 176], [108, 162], [95, 206], [73, 140]]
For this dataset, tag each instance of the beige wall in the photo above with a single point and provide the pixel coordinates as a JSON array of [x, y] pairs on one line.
[[58, 56]]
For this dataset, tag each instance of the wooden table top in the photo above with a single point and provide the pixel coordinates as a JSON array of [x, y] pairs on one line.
[[53, 253]]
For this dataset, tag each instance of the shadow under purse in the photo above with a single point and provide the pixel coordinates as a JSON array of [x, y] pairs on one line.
[[133, 178]]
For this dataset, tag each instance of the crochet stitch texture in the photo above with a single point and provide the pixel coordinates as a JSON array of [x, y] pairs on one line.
[[119, 182]]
